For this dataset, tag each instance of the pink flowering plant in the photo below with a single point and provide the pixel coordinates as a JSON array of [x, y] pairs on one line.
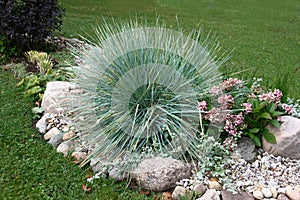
[[242, 109]]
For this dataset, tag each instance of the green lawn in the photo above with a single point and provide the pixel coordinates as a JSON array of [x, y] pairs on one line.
[[264, 35], [30, 168]]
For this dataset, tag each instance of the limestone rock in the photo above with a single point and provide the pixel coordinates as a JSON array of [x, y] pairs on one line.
[[287, 137], [94, 161], [293, 194], [282, 197], [79, 156], [117, 175], [210, 195], [160, 174], [179, 192], [56, 139], [59, 97], [214, 185], [266, 192], [258, 194], [281, 190], [274, 192], [41, 125], [245, 150], [67, 146], [53, 131], [227, 195], [199, 189], [96, 164], [69, 135]]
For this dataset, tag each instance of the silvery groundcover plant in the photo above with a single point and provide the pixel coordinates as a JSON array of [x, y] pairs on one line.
[[142, 86]]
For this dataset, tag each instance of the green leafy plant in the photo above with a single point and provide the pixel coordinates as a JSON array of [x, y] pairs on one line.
[[7, 50], [263, 113], [37, 112], [41, 59], [216, 162], [246, 109], [35, 84]]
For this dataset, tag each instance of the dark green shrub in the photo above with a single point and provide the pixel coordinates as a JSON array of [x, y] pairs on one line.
[[25, 24]]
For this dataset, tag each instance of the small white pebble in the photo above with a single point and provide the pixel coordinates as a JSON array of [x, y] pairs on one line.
[[281, 190]]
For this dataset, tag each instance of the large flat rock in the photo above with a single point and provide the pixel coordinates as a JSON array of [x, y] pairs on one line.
[[287, 137], [61, 97], [160, 174]]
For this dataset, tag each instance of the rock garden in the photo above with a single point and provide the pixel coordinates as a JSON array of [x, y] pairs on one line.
[[258, 169], [149, 106]]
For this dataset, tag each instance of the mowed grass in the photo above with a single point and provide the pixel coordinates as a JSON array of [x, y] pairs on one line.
[[30, 168], [263, 35]]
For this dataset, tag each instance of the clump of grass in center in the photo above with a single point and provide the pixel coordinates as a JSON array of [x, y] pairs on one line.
[[142, 85]]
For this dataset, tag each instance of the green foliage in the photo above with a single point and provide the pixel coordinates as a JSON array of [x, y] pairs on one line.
[[7, 50], [215, 163], [37, 112], [41, 59], [35, 84], [263, 113]]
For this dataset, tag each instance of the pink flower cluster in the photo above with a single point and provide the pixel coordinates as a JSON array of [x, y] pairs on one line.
[[232, 82], [288, 109], [274, 97], [237, 108], [247, 107], [226, 101], [215, 91], [215, 115], [202, 106], [226, 85], [232, 123]]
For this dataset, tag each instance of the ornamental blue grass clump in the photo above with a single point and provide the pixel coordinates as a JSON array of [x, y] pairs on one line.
[[142, 85]]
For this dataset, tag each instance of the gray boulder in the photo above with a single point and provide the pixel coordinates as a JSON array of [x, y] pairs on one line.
[[56, 139], [245, 150], [199, 189], [227, 195], [117, 174], [210, 194], [52, 132], [96, 164], [181, 192], [160, 174], [67, 146], [287, 137]]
